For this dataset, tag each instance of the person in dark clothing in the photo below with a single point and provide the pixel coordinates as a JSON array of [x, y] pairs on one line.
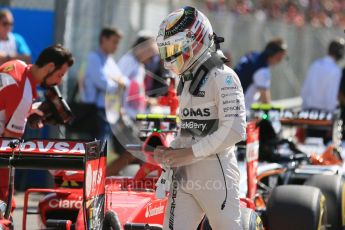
[[253, 71], [341, 98], [156, 78]]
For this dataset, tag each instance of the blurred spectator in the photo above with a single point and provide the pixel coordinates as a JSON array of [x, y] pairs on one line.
[[320, 19], [272, 9], [132, 66], [293, 15], [320, 88], [241, 7], [12, 45], [339, 19], [102, 77], [319, 13], [156, 77], [215, 5], [254, 74]]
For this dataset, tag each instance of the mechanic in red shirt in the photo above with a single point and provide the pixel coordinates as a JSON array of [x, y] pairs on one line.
[[18, 83]]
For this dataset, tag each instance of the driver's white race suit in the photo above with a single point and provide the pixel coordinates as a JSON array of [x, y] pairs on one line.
[[211, 123]]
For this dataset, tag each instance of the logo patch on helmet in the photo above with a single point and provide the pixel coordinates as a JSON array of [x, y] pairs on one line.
[[190, 35], [176, 15], [181, 22], [161, 32]]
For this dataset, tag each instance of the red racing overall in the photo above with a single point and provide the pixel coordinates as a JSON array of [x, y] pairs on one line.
[[17, 92]]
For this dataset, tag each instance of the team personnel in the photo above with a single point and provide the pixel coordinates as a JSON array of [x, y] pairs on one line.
[[341, 97], [12, 45], [321, 86], [132, 65], [102, 78], [18, 83], [212, 121], [254, 73]]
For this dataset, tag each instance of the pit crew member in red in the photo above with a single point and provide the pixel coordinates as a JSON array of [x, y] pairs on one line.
[[212, 112], [18, 83]]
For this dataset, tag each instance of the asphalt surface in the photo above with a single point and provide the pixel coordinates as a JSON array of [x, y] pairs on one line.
[[32, 220]]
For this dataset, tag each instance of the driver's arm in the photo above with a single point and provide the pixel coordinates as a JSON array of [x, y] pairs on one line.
[[16, 108], [231, 114]]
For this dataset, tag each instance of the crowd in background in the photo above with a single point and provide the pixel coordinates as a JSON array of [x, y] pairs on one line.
[[318, 13]]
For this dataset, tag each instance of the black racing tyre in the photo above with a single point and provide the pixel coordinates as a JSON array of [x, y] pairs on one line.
[[296, 207], [111, 221], [250, 220], [332, 187]]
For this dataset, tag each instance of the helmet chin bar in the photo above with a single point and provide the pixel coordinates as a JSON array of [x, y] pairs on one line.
[[216, 40], [169, 65], [201, 56]]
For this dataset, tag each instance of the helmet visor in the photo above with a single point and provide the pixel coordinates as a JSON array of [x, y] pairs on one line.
[[170, 52]]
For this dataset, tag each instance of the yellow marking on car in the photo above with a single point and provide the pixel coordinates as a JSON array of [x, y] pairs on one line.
[[258, 106], [258, 223], [156, 117], [322, 208], [140, 116]]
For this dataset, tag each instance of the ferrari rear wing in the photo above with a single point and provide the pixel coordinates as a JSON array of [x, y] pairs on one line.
[[89, 156], [43, 154]]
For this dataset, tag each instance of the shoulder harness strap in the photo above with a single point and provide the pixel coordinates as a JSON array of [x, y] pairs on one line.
[[216, 60]]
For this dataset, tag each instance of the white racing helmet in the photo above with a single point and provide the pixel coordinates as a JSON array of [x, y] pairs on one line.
[[184, 36]]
